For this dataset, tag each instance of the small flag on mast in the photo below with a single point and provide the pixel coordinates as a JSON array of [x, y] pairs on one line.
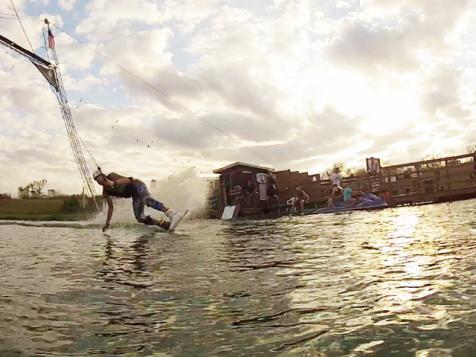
[[51, 39]]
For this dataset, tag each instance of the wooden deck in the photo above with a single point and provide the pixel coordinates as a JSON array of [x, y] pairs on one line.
[[429, 181]]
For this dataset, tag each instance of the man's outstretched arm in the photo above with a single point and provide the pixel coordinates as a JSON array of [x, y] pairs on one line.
[[110, 209]]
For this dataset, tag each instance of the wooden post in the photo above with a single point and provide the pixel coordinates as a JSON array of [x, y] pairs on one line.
[[418, 178], [223, 191], [420, 190], [447, 175]]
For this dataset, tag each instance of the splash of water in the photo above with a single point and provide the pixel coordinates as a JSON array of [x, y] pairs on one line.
[[184, 190]]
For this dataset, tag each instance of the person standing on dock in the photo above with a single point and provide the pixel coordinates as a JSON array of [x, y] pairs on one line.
[[115, 185], [272, 192], [336, 182]]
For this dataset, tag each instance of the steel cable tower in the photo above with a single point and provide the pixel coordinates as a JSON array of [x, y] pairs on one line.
[[74, 140], [53, 76]]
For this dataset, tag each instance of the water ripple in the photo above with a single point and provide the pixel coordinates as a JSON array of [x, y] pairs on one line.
[[393, 282]]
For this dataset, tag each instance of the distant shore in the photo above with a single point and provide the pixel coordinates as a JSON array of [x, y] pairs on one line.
[[69, 208], [44, 217]]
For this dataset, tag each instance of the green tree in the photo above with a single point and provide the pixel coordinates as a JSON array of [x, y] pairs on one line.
[[23, 192], [32, 190], [37, 187], [356, 172], [471, 148]]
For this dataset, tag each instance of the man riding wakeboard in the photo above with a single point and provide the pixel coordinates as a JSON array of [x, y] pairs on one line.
[[115, 185]]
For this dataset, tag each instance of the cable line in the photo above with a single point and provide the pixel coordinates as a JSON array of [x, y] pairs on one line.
[[21, 24], [160, 92]]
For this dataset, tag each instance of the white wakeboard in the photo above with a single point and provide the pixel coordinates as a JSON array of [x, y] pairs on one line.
[[180, 220]]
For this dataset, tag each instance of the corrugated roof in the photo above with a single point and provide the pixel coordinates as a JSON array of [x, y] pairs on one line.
[[238, 163]]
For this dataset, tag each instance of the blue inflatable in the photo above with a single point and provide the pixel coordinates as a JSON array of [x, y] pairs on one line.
[[368, 201]]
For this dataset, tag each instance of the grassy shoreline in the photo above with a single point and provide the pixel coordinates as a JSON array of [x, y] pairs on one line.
[[54, 209], [45, 217]]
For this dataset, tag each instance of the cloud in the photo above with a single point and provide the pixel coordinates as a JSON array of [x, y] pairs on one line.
[[220, 129], [369, 48], [82, 84], [295, 83], [74, 56], [67, 5], [395, 36], [442, 92], [104, 15]]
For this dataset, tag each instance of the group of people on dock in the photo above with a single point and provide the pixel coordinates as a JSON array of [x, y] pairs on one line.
[[264, 193], [339, 197], [342, 197]]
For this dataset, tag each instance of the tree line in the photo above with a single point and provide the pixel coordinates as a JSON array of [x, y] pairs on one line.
[[32, 190]]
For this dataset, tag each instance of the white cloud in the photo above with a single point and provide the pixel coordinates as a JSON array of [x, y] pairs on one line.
[[300, 84], [67, 5], [106, 15], [344, 4]]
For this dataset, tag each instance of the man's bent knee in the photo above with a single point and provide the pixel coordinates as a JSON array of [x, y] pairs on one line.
[[150, 202]]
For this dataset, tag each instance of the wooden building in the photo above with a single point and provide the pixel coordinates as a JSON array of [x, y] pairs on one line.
[[287, 181], [245, 186], [437, 180]]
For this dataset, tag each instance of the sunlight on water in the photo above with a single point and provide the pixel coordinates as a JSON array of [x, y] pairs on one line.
[[392, 282]]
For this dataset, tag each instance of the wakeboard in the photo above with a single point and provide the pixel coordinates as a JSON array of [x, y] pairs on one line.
[[146, 228], [178, 222]]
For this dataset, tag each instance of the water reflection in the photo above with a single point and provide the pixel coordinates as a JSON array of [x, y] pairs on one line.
[[399, 281], [125, 264]]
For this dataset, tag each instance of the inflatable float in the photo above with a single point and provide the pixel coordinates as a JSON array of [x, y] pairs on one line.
[[366, 202]]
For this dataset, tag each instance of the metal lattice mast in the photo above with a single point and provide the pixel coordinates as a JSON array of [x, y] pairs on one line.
[[53, 76], [75, 143]]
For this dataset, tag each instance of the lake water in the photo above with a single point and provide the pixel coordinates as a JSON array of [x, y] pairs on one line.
[[393, 282]]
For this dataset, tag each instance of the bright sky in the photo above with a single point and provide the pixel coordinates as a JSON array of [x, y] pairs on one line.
[[301, 83]]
